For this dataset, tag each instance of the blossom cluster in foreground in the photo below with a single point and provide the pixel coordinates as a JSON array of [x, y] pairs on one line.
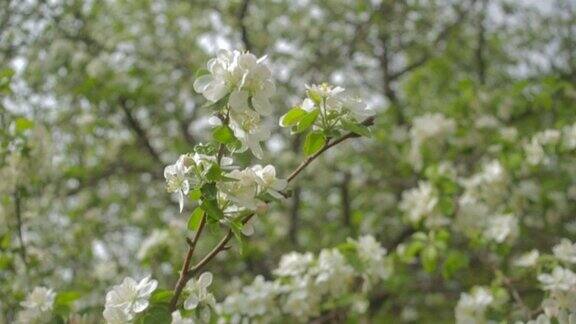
[[304, 284], [558, 284]]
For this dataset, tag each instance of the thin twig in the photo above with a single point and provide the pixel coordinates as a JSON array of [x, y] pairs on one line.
[[20, 225], [184, 272], [328, 145], [139, 131]]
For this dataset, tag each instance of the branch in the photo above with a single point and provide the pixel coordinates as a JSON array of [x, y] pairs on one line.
[[303, 165], [221, 246], [20, 224], [183, 279], [139, 131], [243, 27]]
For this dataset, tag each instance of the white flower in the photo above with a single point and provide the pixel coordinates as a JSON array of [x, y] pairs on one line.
[[41, 299], [243, 191], [333, 274], [198, 292], [127, 299], [177, 179], [249, 130], [527, 259], [268, 181], [565, 251], [116, 315], [247, 79], [431, 125], [541, 319], [570, 136], [419, 203], [260, 296], [336, 100], [501, 227], [472, 307], [177, 319], [37, 305], [303, 300], [294, 264], [372, 254], [559, 279], [535, 148]]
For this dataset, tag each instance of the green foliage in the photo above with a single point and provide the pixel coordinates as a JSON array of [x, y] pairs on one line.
[[314, 142]]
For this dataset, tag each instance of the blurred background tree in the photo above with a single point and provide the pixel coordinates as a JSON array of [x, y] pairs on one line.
[[97, 98]]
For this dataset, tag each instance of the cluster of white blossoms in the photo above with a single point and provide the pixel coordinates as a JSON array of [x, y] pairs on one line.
[[481, 208], [37, 306], [198, 292], [248, 186], [335, 101], [420, 203], [304, 283], [535, 148], [559, 283], [565, 251], [247, 84], [542, 147], [128, 299], [471, 307], [372, 255], [187, 172], [430, 127]]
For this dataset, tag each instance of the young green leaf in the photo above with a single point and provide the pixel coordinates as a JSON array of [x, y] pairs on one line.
[[314, 142], [223, 134], [356, 128], [307, 120], [429, 257], [194, 220], [292, 117], [212, 210]]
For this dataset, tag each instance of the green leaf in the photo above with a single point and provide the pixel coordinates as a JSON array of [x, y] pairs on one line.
[[314, 142], [455, 261], [154, 315], [214, 173], [194, 220], [212, 210], [236, 228], [315, 97], [429, 257], [161, 296], [307, 121], [209, 191], [67, 297], [356, 128], [196, 194], [223, 134], [292, 117], [23, 124]]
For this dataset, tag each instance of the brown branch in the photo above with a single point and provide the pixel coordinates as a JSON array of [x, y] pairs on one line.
[[181, 283], [20, 225], [326, 147], [345, 199], [222, 245], [481, 44], [294, 215], [185, 273], [139, 131], [243, 27]]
